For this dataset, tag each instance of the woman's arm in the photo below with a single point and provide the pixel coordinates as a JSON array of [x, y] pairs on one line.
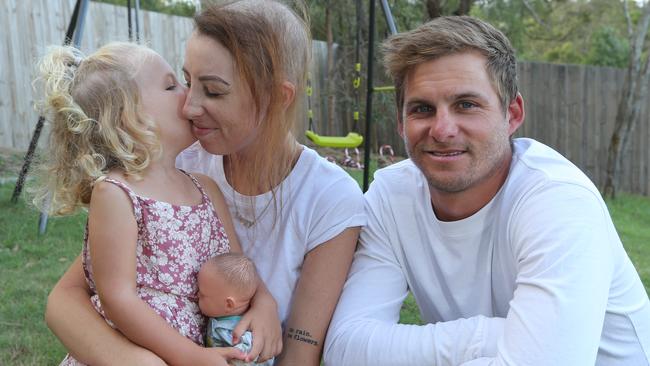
[[321, 280], [113, 255], [72, 318], [262, 316]]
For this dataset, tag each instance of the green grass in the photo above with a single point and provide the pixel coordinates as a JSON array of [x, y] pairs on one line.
[[30, 264], [631, 216]]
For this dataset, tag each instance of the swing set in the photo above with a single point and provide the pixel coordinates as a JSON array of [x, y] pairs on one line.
[[73, 36], [353, 139]]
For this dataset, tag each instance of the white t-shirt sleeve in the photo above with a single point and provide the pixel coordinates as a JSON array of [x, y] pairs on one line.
[[337, 206], [364, 329]]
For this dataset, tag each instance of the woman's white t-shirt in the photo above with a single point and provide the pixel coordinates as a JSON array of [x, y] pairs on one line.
[[315, 203]]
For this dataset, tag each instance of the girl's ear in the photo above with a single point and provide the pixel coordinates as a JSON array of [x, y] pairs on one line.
[[288, 93]]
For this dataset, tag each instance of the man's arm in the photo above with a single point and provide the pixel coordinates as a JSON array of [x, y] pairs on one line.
[[364, 329]]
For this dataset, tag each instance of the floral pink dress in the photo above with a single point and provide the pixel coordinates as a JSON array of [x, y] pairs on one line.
[[173, 242]]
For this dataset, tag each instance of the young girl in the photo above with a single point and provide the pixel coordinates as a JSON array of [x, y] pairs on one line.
[[116, 131]]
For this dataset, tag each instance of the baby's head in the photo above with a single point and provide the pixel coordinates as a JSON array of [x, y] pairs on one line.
[[106, 111], [227, 283]]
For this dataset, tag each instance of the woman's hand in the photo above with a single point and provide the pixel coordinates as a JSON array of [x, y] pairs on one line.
[[262, 320]]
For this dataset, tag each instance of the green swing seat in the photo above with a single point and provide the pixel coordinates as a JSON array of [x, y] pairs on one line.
[[353, 139]]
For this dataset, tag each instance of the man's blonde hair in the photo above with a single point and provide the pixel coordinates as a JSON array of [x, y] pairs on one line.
[[451, 35]]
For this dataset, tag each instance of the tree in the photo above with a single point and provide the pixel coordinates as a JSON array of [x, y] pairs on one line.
[[608, 49], [635, 89], [437, 8], [174, 7], [561, 31]]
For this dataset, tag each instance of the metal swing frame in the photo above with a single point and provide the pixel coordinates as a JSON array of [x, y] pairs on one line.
[[73, 37], [370, 88]]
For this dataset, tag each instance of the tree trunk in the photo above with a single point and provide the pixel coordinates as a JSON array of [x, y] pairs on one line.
[[433, 8], [634, 91], [330, 68], [463, 7]]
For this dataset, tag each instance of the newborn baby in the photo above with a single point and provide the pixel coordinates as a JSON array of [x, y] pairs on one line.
[[227, 283]]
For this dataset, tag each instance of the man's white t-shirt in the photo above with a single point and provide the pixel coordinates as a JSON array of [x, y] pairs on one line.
[[315, 203], [536, 277]]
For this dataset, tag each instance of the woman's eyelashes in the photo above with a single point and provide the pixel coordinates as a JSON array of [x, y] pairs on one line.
[[214, 89], [209, 91], [212, 94]]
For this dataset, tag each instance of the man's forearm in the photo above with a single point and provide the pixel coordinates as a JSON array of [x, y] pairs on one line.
[[372, 342]]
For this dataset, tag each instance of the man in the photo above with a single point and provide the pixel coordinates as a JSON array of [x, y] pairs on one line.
[[507, 247]]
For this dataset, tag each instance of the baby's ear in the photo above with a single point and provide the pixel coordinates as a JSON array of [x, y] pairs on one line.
[[230, 303]]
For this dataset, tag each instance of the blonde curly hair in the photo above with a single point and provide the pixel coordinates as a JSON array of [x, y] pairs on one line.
[[93, 106]]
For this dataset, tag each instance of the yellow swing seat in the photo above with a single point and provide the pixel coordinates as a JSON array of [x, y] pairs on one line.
[[353, 139]]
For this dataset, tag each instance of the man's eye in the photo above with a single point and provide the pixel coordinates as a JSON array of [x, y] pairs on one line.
[[466, 105], [422, 109], [171, 87]]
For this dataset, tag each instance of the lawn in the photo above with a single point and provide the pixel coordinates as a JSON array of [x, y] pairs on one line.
[[30, 264]]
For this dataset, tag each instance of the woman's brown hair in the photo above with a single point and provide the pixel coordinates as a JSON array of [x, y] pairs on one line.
[[270, 45]]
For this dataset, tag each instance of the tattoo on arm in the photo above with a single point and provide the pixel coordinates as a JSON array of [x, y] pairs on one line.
[[302, 336]]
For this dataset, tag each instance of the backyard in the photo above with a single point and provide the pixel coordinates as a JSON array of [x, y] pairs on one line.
[[30, 264]]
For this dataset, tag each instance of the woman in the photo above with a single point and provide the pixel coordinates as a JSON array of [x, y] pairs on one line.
[[296, 215]]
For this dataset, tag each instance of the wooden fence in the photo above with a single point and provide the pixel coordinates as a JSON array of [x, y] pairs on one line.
[[32, 25], [29, 26], [570, 108]]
